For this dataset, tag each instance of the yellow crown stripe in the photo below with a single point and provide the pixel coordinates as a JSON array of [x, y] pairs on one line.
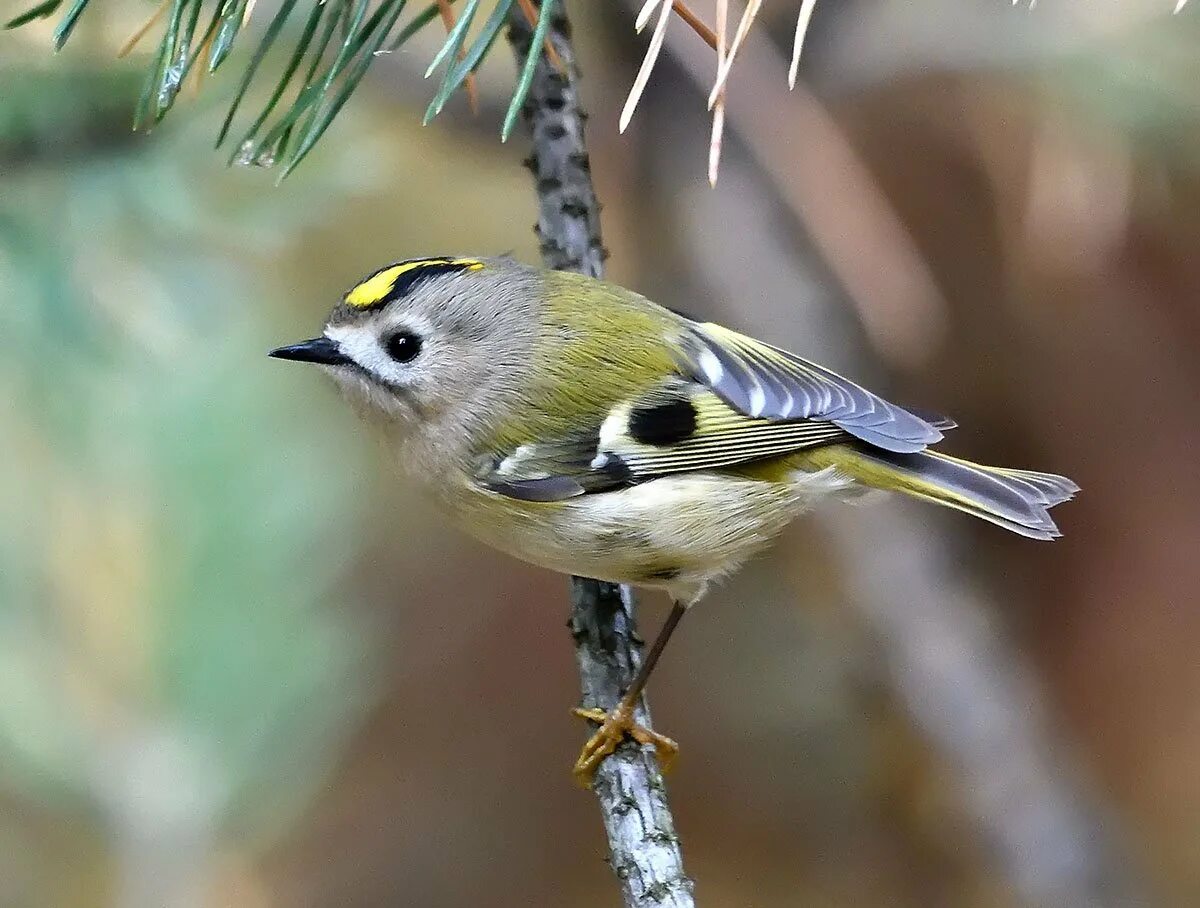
[[378, 285]]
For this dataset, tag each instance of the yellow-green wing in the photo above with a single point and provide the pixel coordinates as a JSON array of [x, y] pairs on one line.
[[687, 427], [764, 382], [679, 427]]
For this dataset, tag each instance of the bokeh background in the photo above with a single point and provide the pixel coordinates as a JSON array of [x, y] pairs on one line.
[[241, 664]]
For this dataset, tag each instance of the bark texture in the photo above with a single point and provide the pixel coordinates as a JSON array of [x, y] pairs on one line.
[[644, 849]]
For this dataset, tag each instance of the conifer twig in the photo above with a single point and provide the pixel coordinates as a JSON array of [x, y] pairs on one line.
[[140, 32], [687, 15], [644, 849]]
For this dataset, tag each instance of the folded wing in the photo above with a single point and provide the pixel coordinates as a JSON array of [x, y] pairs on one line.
[[679, 427], [764, 382]]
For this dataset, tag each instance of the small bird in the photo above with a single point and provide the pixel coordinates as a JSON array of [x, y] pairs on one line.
[[581, 427]]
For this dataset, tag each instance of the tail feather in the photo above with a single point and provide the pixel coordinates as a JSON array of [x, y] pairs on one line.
[[1050, 488], [1018, 500]]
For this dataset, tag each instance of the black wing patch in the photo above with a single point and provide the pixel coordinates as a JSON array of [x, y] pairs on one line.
[[662, 424], [681, 427]]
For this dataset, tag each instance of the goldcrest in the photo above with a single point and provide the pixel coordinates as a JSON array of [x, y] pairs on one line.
[[582, 427]]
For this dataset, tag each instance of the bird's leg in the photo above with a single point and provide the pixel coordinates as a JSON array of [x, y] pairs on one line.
[[615, 725]]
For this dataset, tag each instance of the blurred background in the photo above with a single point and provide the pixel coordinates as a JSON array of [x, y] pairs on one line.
[[241, 664]]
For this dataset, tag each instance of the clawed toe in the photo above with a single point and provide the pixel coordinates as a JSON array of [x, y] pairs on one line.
[[615, 726]]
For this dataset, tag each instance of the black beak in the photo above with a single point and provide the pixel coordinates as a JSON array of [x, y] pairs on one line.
[[319, 350]]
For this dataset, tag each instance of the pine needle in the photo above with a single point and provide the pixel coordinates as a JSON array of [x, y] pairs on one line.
[[806, 11], [310, 29], [132, 41], [470, 58], [232, 15], [199, 73], [540, 32], [324, 90], [268, 39], [454, 40], [359, 49], [41, 11], [656, 43], [718, 123], [687, 15], [417, 23], [68, 23], [448, 20], [644, 15], [752, 8], [531, 16]]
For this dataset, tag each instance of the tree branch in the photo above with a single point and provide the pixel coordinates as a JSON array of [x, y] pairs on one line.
[[645, 851]]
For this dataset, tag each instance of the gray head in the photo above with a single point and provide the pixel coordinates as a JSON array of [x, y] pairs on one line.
[[417, 340]]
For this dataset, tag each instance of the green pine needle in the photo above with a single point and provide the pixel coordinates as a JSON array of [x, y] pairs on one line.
[[419, 21], [457, 73], [526, 79], [454, 40], [232, 15], [217, 18], [41, 11], [282, 131], [142, 111], [149, 103], [353, 36], [174, 64], [453, 47], [310, 29], [322, 118], [165, 80], [69, 21], [264, 45], [275, 143]]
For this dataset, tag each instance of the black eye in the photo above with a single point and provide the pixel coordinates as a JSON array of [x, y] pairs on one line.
[[403, 346]]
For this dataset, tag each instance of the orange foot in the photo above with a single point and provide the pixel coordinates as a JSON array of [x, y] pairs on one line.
[[614, 727]]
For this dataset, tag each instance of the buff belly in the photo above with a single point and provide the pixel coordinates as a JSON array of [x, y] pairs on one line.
[[676, 532]]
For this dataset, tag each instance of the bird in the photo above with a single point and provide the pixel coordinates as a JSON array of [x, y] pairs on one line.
[[579, 426]]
